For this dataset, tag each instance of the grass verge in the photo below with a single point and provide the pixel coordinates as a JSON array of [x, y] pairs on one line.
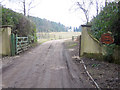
[[41, 41], [72, 45]]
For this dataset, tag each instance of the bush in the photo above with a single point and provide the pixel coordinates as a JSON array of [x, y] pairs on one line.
[[97, 56], [107, 20], [22, 26], [109, 53]]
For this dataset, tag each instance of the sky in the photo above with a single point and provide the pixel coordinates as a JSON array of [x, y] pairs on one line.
[[53, 10], [62, 11], [57, 10]]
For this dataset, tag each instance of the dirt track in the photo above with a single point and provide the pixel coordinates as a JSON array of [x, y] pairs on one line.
[[47, 66]]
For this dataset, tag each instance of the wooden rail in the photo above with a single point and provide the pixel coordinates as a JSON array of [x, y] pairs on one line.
[[21, 44]]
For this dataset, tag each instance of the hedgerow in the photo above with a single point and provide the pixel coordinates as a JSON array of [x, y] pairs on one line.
[[107, 20], [21, 25]]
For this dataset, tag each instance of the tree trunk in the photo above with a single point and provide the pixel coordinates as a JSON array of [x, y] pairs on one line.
[[105, 2], [87, 17], [97, 7], [24, 8]]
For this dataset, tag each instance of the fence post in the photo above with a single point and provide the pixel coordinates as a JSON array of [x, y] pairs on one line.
[[72, 38], [12, 44], [79, 39]]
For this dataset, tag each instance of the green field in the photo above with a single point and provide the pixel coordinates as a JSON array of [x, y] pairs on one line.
[[56, 35]]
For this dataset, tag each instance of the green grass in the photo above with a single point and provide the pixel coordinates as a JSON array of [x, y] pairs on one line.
[[65, 35], [72, 45]]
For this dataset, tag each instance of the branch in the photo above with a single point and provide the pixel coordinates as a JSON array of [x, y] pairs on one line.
[[30, 2], [30, 7], [34, 5], [84, 10]]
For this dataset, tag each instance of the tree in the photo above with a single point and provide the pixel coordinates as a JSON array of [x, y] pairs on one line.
[[85, 6], [27, 5], [70, 27], [80, 28], [105, 2], [30, 6], [107, 20], [24, 6], [98, 5], [74, 29], [20, 24]]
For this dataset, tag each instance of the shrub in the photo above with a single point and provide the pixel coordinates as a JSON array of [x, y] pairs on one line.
[[21, 24], [107, 20]]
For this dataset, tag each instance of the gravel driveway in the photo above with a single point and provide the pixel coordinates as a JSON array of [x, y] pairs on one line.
[[46, 66]]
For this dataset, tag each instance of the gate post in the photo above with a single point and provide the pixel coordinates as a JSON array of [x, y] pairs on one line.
[[12, 44], [5, 40], [84, 38], [16, 40]]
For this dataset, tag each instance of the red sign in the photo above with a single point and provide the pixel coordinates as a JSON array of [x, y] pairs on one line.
[[107, 38]]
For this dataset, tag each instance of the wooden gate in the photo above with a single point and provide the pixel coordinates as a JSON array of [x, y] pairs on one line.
[[21, 44], [18, 44]]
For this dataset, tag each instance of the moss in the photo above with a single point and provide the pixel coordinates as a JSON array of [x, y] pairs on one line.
[[117, 61], [101, 57], [116, 54], [96, 56]]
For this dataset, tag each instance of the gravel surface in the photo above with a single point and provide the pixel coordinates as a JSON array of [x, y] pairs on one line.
[[46, 66], [32, 69]]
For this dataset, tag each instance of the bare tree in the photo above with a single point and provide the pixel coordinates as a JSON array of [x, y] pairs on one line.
[[27, 5], [85, 6], [99, 5], [24, 6], [105, 2], [30, 6]]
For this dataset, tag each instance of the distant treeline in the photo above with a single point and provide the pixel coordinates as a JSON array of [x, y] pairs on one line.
[[28, 26], [77, 29], [44, 25]]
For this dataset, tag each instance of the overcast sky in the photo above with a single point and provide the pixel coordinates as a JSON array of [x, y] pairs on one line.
[[57, 10], [54, 10]]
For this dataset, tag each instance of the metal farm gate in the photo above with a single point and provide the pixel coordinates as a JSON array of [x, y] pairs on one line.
[[18, 44]]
